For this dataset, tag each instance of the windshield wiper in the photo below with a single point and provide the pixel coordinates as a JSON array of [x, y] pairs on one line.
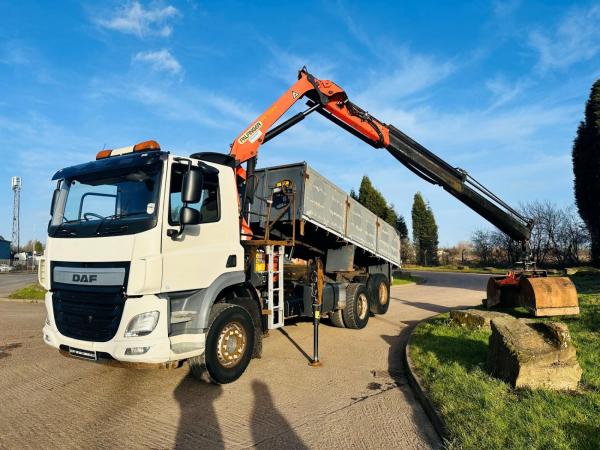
[[61, 229], [120, 216], [115, 217]]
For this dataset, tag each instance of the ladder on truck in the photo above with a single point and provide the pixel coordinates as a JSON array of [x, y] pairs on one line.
[[275, 301]]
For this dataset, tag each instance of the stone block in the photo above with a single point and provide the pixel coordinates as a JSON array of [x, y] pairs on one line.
[[530, 354], [474, 318]]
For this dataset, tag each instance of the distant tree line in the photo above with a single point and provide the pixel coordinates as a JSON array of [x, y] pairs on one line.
[[558, 238], [32, 246]]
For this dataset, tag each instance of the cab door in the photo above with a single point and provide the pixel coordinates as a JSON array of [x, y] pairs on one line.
[[196, 257]]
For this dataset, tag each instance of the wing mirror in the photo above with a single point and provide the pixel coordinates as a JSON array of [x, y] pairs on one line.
[[191, 192], [54, 198], [191, 187], [189, 216]]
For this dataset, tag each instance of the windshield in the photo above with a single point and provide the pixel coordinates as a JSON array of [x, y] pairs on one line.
[[119, 202]]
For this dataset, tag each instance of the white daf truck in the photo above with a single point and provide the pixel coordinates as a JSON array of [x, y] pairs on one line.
[[144, 261]]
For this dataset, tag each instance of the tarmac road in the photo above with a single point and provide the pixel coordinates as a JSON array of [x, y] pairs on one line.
[[358, 398], [10, 282]]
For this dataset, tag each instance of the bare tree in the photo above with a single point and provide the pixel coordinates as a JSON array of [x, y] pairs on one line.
[[558, 238], [483, 246]]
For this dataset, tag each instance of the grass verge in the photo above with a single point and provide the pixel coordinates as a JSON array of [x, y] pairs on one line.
[[405, 278], [31, 292], [483, 412]]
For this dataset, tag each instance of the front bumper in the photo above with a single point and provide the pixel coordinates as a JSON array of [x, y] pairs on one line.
[[161, 348]]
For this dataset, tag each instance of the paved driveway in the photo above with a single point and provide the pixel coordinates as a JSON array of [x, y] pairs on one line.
[[359, 398]]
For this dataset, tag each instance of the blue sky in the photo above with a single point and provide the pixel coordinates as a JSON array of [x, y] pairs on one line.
[[496, 88]]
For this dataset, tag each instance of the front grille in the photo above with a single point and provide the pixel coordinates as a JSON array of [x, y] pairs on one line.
[[89, 316]]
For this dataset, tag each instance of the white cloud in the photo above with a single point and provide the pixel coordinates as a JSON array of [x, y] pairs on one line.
[[413, 73], [503, 8], [576, 39], [284, 65], [14, 53], [160, 60], [459, 133], [503, 91], [176, 101], [134, 19]]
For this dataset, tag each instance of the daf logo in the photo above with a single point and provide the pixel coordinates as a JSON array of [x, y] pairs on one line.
[[84, 278]]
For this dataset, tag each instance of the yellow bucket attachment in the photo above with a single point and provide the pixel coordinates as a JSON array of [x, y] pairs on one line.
[[549, 296]]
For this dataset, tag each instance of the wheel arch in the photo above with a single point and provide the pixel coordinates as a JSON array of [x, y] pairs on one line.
[[202, 300]]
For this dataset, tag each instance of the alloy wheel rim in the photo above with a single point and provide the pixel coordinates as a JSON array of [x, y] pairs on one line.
[[383, 294], [363, 306], [231, 344]]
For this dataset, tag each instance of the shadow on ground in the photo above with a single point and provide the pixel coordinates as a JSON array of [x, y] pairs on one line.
[[5, 349], [201, 427], [433, 307]]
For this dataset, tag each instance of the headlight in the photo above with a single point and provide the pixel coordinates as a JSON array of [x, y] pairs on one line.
[[142, 324]]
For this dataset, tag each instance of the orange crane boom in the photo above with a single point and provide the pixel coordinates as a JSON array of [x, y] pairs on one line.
[[331, 101]]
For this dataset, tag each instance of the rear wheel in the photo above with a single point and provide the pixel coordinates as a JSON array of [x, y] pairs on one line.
[[229, 345], [379, 293], [336, 319], [356, 312]]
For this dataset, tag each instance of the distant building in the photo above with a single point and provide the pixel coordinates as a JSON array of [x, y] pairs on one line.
[[4, 248]]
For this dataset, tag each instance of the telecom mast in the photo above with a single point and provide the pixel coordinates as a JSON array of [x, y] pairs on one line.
[[16, 187]]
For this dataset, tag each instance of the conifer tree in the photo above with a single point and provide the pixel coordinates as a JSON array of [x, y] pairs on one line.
[[374, 201], [425, 232], [586, 168]]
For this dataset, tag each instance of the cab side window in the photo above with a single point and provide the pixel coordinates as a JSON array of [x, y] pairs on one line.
[[208, 206]]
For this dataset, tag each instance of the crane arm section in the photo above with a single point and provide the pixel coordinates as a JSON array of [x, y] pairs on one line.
[[332, 102]]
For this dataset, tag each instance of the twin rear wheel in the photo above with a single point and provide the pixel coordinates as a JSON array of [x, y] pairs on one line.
[[356, 312], [362, 300], [379, 293]]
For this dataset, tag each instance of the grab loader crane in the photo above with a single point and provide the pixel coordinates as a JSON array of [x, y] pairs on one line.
[[525, 286]]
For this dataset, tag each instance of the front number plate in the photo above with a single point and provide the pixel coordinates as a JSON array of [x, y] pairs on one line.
[[84, 354]]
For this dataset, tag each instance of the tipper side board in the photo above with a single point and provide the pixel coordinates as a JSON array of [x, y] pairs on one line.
[[328, 208]]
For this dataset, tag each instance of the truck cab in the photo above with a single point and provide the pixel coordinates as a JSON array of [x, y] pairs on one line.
[[140, 243]]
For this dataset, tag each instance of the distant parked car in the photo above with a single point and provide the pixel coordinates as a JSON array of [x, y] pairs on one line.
[[5, 268]]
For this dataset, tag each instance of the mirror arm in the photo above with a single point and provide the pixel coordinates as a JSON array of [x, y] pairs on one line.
[[174, 234]]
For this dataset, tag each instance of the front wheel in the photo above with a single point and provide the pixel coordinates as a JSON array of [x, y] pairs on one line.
[[229, 345]]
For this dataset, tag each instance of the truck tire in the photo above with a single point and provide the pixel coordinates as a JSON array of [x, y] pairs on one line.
[[336, 319], [229, 345], [379, 293], [356, 312]]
